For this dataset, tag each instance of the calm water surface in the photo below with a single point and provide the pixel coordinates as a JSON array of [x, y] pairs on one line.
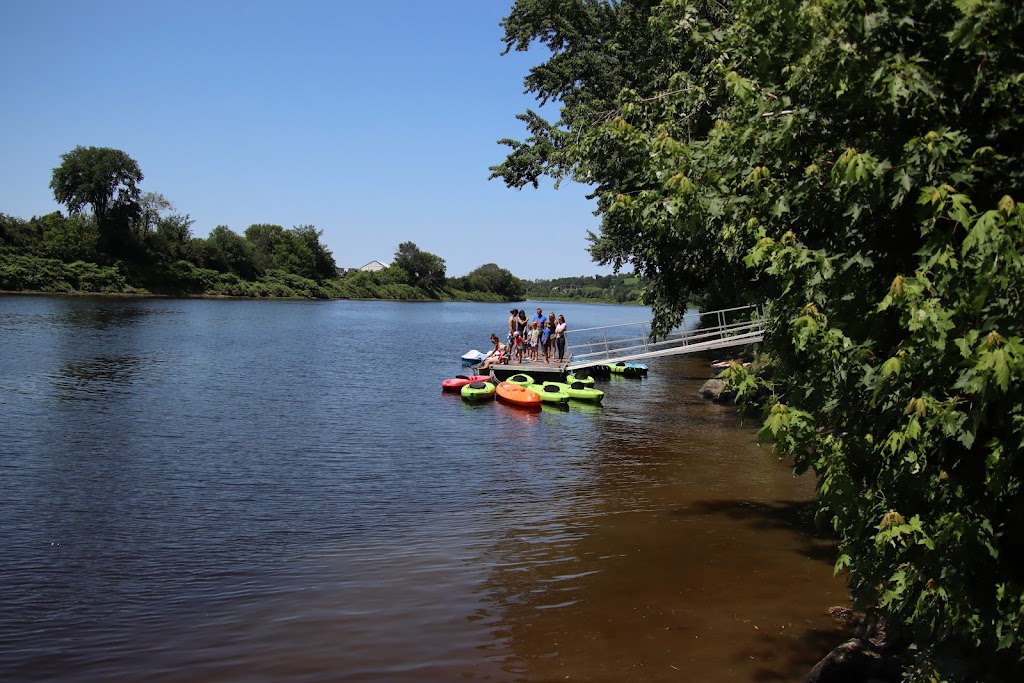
[[278, 491]]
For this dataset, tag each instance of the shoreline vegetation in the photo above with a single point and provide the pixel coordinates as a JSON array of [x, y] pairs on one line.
[[26, 274], [115, 239]]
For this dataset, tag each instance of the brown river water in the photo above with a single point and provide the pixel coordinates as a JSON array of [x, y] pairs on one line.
[[278, 491]]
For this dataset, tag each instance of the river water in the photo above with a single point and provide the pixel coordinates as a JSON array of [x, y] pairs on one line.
[[201, 490]]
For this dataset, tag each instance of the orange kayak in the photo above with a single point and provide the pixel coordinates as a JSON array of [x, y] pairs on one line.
[[518, 395]]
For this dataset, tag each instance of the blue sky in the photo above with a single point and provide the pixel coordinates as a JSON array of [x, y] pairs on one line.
[[375, 122]]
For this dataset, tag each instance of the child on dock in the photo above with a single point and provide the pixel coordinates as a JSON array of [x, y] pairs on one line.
[[518, 346], [534, 339]]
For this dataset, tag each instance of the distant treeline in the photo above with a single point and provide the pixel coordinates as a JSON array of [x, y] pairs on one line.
[[114, 238], [58, 253], [623, 288]]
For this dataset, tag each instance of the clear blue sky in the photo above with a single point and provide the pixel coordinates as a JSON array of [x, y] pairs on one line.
[[374, 122]]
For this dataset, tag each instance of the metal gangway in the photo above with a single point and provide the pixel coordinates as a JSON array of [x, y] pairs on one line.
[[698, 331]]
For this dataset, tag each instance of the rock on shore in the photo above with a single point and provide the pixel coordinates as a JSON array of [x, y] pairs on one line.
[[714, 390]]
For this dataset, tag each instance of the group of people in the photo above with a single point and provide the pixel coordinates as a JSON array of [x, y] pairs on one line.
[[529, 338]]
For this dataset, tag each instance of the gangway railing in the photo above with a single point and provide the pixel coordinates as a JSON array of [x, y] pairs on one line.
[[698, 331]]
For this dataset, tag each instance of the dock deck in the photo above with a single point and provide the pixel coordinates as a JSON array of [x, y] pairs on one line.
[[549, 372]]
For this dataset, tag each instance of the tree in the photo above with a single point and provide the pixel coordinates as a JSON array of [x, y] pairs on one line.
[[858, 166], [16, 235], [227, 251], [491, 278], [322, 265], [425, 270], [68, 238], [265, 240], [296, 251], [603, 52], [172, 236], [151, 206], [104, 179]]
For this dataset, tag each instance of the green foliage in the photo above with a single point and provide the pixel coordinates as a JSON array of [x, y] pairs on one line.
[[631, 100], [296, 251], [28, 273], [188, 278], [33, 273], [425, 270], [228, 252], [151, 207], [858, 166], [51, 236], [491, 278], [134, 242], [621, 289], [90, 277], [322, 265], [16, 235], [171, 238], [73, 238], [106, 180], [452, 294]]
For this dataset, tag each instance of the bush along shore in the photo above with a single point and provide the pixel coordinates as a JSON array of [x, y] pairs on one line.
[[19, 274]]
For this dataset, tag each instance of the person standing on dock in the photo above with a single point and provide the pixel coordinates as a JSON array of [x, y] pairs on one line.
[[545, 339], [560, 337], [512, 323], [522, 323], [539, 319]]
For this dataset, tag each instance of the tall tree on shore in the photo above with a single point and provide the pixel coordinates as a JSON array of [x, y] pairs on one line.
[[608, 59], [107, 181], [858, 165], [425, 270]]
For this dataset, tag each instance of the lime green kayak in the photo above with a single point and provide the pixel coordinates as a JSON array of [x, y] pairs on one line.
[[548, 392], [578, 391], [521, 379], [582, 377], [628, 369], [478, 391]]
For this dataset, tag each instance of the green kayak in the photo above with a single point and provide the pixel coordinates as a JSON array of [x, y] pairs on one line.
[[627, 369], [478, 391], [521, 379], [582, 377], [578, 391], [549, 392]]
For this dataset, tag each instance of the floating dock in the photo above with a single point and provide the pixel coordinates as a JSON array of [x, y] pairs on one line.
[[554, 371]]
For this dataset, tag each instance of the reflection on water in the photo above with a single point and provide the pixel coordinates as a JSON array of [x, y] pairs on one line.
[[96, 378], [268, 491], [103, 315]]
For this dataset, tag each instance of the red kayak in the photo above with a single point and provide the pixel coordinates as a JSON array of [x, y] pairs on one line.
[[458, 381]]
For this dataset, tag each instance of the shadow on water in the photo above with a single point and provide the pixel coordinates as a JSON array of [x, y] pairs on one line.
[[789, 515], [794, 654]]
